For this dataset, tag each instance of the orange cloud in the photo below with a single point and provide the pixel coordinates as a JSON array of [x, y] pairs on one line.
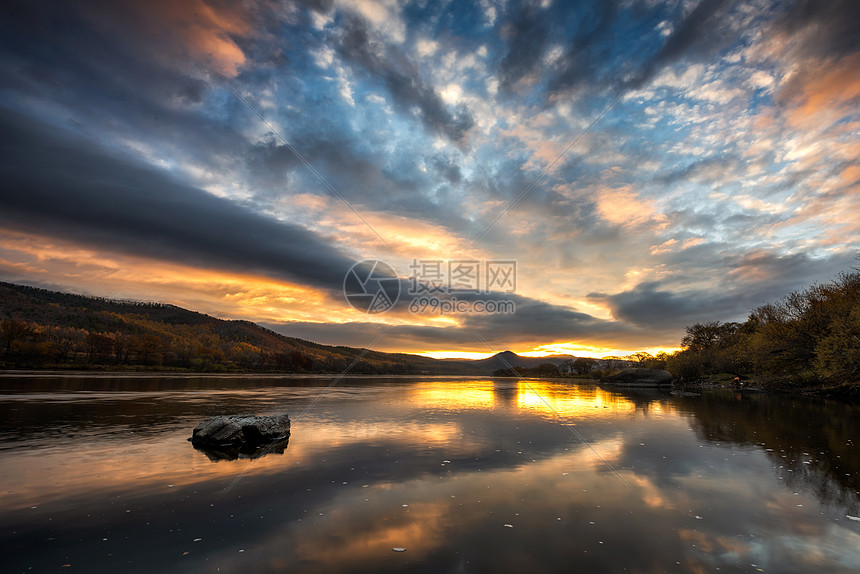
[[827, 93], [595, 351], [226, 295], [204, 32], [622, 206]]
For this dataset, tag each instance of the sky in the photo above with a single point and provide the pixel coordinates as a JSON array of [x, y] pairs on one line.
[[645, 165]]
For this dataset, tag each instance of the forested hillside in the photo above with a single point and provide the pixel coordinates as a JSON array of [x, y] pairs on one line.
[[41, 328], [808, 338]]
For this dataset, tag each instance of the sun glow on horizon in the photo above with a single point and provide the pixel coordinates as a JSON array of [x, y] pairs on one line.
[[580, 350], [474, 355], [574, 349]]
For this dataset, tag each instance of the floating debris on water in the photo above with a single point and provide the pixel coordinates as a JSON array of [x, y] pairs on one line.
[[398, 549]]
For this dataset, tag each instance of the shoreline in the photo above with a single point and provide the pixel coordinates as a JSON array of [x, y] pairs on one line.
[[849, 392]]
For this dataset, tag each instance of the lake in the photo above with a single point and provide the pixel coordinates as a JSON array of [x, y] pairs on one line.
[[456, 474]]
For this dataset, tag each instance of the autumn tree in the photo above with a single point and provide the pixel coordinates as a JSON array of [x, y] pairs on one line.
[[13, 332], [583, 365]]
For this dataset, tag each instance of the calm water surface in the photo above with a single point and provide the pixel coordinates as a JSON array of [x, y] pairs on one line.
[[466, 475]]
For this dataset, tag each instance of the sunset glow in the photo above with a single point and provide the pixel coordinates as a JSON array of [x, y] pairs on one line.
[[646, 165]]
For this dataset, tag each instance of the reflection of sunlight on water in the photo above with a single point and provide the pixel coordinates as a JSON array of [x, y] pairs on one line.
[[451, 470], [152, 462], [581, 402], [462, 395], [331, 434], [540, 397]]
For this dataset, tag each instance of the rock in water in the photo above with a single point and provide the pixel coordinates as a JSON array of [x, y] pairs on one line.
[[241, 430], [246, 451], [640, 378]]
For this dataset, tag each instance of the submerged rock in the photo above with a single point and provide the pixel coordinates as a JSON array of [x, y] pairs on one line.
[[640, 378], [241, 431]]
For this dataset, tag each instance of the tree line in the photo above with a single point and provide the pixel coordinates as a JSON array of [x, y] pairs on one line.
[[810, 337], [587, 367], [131, 340]]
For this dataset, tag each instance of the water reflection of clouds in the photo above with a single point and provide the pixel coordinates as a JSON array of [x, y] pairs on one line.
[[544, 502], [358, 535], [352, 464], [358, 527], [774, 528], [149, 465]]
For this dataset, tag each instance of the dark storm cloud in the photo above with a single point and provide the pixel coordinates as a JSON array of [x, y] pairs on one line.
[[361, 334], [110, 82], [533, 320], [540, 320], [586, 30], [55, 184], [447, 168], [62, 186], [704, 170], [831, 25], [269, 162], [649, 305], [149, 79], [499, 333], [402, 80], [529, 33], [321, 6], [658, 305], [58, 52], [364, 176], [609, 43], [588, 57], [700, 34]]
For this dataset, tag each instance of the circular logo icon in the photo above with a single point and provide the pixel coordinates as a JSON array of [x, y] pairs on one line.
[[371, 286]]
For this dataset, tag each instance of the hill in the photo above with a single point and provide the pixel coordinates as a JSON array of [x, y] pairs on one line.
[[48, 329], [507, 359]]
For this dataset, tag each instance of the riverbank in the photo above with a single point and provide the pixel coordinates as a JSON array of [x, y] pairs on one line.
[[842, 391]]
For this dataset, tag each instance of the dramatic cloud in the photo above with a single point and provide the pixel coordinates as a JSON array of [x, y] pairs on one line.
[[827, 29], [246, 154], [697, 35], [402, 80], [99, 200]]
